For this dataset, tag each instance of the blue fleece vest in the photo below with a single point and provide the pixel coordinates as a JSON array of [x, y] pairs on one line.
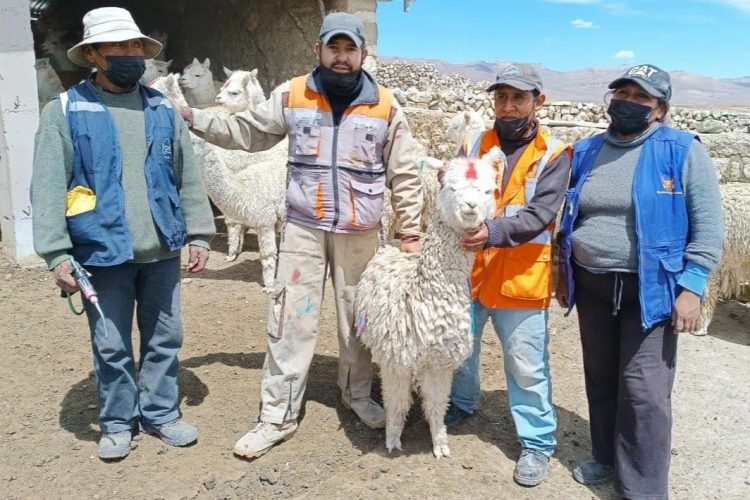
[[661, 218], [101, 237]]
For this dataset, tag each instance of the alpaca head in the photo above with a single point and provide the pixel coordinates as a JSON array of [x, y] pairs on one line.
[[169, 86], [464, 124], [154, 69], [56, 45], [196, 73], [467, 196], [241, 91]]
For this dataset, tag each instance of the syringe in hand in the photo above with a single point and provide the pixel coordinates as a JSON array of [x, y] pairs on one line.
[[87, 289]]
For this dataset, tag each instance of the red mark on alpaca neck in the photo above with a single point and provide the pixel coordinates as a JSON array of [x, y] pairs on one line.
[[296, 275], [471, 172]]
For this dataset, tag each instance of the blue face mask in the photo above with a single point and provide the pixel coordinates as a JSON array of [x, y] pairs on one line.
[[124, 71]]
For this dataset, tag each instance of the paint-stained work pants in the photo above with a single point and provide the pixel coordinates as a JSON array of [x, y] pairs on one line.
[[294, 316]]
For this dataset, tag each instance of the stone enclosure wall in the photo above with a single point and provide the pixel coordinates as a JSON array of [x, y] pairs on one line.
[[430, 99]]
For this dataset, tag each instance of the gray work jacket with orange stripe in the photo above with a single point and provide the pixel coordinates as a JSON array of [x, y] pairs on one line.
[[337, 173]]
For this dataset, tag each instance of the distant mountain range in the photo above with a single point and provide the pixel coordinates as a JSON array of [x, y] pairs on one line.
[[590, 84]]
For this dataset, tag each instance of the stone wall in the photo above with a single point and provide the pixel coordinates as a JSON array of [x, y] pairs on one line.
[[420, 86]]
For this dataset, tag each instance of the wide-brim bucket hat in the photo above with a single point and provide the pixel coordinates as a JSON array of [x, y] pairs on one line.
[[110, 24]]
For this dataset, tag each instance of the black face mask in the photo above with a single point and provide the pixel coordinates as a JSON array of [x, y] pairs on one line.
[[339, 83], [628, 117], [124, 71], [512, 129]]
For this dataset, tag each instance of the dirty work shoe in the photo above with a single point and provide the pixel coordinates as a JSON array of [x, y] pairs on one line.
[[531, 468], [455, 416], [369, 412], [261, 439], [115, 445], [174, 433], [593, 473]]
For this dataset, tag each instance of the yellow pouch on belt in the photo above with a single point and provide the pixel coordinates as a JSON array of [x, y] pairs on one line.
[[79, 200]]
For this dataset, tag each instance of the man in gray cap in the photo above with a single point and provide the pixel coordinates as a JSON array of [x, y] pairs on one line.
[[348, 141], [116, 187], [512, 276]]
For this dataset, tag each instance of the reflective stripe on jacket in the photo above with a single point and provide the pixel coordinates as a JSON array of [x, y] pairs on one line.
[[516, 277], [100, 236], [337, 176], [661, 218]]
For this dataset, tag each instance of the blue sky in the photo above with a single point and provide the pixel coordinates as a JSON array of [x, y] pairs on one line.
[[707, 37]]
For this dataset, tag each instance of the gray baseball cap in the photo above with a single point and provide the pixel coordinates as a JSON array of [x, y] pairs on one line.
[[519, 76], [343, 23], [654, 80]]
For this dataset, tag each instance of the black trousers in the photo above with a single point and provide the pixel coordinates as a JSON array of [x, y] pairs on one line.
[[629, 376]]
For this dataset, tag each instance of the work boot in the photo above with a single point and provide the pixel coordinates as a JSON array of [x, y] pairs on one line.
[[455, 416], [115, 445], [261, 439], [531, 468], [593, 473], [369, 412], [174, 433]]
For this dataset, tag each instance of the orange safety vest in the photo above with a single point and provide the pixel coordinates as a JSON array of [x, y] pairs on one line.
[[516, 277]]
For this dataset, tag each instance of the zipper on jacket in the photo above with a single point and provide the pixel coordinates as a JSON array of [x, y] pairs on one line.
[[335, 177]]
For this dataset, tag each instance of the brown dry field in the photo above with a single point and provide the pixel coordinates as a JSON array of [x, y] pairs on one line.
[[48, 430]]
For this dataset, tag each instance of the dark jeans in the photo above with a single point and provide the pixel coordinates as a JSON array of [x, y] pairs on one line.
[[150, 395], [629, 377]]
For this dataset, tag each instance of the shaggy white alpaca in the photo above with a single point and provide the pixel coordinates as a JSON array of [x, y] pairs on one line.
[[48, 84], [154, 69], [734, 269], [412, 310], [197, 83]]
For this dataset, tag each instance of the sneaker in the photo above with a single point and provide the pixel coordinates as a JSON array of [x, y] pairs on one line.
[[593, 473], [115, 445], [455, 416], [531, 468], [261, 439], [369, 412], [174, 433]]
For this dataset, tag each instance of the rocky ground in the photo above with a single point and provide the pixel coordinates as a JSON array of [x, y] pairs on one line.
[[48, 428]]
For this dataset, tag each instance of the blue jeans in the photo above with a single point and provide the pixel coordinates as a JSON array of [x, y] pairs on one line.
[[153, 289], [523, 336]]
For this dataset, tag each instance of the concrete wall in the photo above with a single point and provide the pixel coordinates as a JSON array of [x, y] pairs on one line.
[[18, 122]]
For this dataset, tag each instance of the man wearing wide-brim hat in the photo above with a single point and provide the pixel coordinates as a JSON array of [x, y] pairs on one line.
[[116, 188]]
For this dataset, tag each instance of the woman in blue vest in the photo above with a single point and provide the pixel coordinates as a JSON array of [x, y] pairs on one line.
[[641, 232]]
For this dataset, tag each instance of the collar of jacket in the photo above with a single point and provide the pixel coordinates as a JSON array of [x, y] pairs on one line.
[[368, 95]]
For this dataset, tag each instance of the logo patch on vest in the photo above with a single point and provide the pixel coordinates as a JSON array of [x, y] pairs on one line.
[[668, 186], [166, 148]]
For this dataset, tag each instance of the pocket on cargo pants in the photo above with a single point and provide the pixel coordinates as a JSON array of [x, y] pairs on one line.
[[275, 326]]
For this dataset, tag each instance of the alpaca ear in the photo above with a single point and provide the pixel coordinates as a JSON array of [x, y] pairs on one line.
[[167, 64], [207, 63], [227, 71], [254, 73], [195, 61], [245, 80]]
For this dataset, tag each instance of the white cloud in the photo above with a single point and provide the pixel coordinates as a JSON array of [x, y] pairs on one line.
[[582, 24], [624, 54], [743, 5]]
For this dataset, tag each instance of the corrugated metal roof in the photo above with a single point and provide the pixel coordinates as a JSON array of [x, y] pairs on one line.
[[37, 7]]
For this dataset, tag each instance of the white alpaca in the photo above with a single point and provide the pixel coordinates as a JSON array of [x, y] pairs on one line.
[[197, 82], [48, 84], [734, 269], [249, 188], [154, 69], [464, 124], [412, 310], [241, 91]]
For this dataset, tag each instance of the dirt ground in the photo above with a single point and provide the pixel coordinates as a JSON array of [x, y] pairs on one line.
[[48, 430]]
